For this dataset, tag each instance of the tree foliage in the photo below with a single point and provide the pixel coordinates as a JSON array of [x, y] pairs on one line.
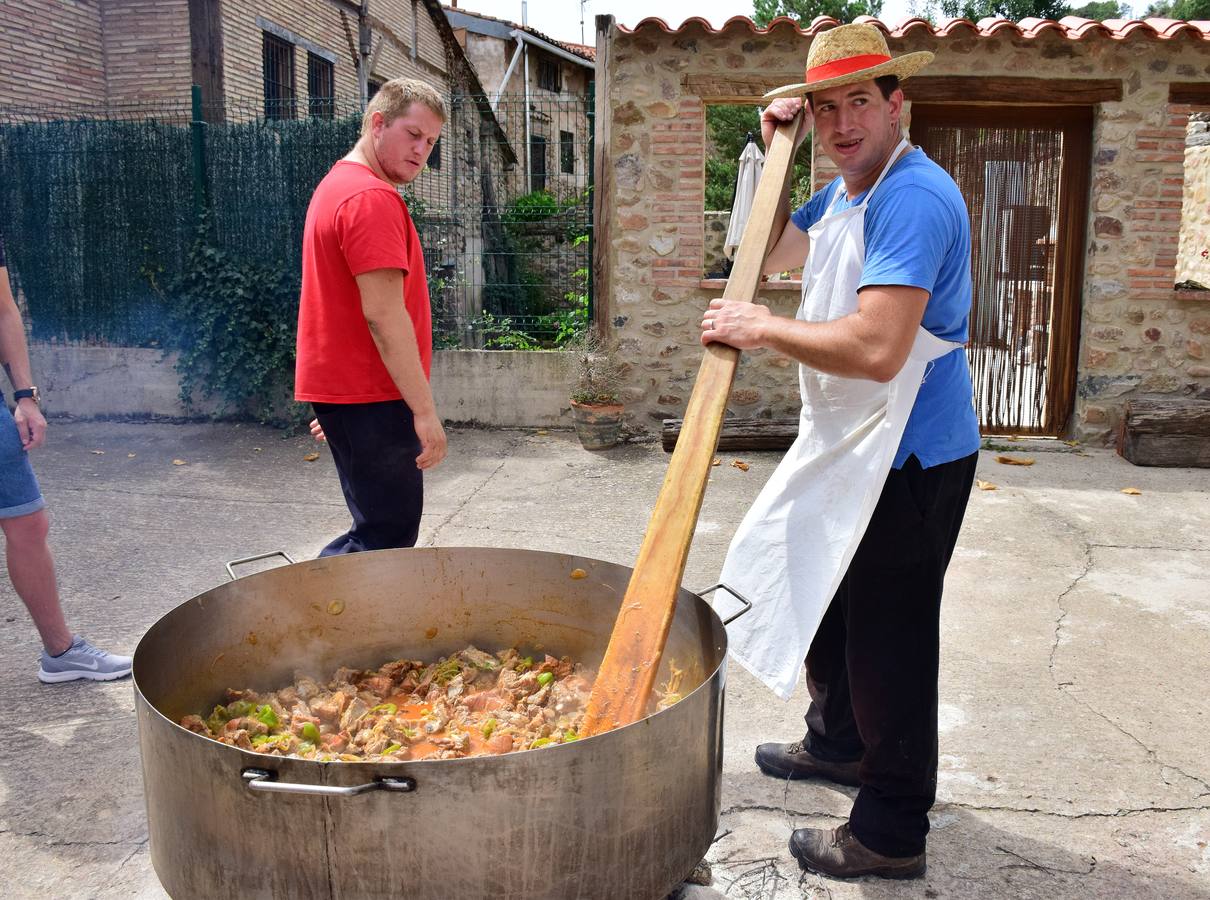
[[1189, 10], [806, 11], [1100, 10], [1013, 10]]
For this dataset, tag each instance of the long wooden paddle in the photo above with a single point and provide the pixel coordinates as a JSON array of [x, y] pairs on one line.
[[632, 658]]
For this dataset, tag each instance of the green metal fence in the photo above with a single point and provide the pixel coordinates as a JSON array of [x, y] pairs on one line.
[[99, 207]]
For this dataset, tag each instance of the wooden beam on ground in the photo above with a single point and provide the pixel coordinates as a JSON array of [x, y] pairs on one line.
[[1166, 432], [742, 434]]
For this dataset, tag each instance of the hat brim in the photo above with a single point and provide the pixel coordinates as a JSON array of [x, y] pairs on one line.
[[904, 66]]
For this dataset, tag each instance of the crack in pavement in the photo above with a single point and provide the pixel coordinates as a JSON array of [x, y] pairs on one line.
[[1088, 548], [510, 449], [132, 854], [201, 498], [53, 841], [974, 807]]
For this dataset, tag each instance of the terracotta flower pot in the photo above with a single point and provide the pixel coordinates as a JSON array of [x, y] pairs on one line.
[[598, 425]]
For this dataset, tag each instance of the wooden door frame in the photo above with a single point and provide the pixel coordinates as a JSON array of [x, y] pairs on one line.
[[1075, 178]]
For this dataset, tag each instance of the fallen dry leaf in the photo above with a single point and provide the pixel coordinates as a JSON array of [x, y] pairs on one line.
[[716, 461], [311, 457], [541, 431], [130, 455], [179, 462], [1015, 460], [740, 464], [99, 452], [1011, 437], [985, 485], [1134, 492], [1072, 443]]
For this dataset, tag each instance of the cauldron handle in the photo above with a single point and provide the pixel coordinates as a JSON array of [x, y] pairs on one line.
[[265, 780], [734, 593], [247, 559]]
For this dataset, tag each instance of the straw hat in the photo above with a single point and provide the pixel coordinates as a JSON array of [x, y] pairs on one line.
[[848, 54]]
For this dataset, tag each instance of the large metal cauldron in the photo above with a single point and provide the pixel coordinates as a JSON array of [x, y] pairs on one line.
[[625, 814]]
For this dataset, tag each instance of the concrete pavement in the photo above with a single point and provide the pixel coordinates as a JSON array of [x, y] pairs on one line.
[[1075, 652]]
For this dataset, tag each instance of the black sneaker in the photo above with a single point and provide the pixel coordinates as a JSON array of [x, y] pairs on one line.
[[795, 761]]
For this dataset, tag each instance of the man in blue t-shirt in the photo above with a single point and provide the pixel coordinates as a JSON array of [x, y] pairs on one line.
[[873, 663]]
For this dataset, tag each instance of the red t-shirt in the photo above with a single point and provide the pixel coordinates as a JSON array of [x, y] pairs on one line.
[[356, 223]]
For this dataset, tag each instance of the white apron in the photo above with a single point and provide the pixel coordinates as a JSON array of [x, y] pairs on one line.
[[795, 543]]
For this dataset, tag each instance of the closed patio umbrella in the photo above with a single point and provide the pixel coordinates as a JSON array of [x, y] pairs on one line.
[[751, 162]]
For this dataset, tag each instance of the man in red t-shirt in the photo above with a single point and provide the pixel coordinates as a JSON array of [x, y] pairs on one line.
[[365, 341]]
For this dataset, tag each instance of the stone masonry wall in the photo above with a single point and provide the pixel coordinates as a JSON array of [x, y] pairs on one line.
[[1137, 335]]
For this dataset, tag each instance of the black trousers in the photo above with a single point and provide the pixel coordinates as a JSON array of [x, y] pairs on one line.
[[374, 446], [872, 667]]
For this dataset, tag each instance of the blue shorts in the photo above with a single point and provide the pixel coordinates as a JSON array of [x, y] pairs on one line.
[[19, 493]]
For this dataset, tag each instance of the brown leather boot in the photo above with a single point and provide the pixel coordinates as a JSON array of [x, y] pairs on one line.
[[796, 761], [837, 852]]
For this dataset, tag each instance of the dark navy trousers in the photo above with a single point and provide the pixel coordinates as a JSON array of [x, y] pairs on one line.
[[374, 446]]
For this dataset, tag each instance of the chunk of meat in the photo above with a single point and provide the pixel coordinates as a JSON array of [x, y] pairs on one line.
[[329, 708], [195, 724]]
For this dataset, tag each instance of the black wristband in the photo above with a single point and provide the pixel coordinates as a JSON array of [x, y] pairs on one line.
[[25, 392]]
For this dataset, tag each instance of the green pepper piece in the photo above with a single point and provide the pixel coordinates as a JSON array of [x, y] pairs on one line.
[[267, 716], [540, 742], [393, 748], [545, 678], [524, 665], [310, 732], [238, 708], [570, 736], [389, 708], [488, 727]]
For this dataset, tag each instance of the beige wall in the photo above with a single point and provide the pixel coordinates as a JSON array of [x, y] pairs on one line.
[[1138, 334]]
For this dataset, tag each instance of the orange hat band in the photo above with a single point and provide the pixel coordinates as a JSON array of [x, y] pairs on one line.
[[846, 66]]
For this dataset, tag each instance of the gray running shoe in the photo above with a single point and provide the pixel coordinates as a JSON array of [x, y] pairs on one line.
[[83, 660]]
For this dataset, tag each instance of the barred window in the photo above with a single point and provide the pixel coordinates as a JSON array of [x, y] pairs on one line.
[[277, 58], [435, 156], [567, 153], [550, 75], [321, 87], [537, 162]]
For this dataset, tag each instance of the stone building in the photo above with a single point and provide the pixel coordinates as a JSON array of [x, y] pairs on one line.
[[1069, 142], [539, 89]]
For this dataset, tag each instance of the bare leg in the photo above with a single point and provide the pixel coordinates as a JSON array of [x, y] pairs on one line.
[[32, 571]]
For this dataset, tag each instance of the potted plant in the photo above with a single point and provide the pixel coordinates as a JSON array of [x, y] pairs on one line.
[[596, 409]]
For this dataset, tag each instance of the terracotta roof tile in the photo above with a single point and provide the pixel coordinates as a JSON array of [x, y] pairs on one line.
[[1072, 27]]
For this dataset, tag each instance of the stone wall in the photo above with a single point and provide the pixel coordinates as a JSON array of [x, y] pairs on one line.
[[714, 258], [1138, 334]]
